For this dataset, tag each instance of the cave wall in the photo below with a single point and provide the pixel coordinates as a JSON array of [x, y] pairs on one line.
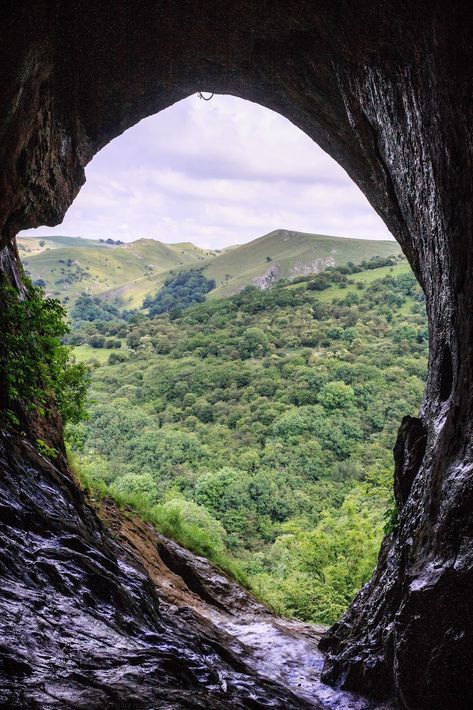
[[83, 626], [385, 88]]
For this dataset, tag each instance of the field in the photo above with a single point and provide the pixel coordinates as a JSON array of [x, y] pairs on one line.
[[85, 353]]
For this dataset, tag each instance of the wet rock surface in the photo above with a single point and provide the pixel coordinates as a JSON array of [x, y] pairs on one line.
[[282, 650], [385, 88], [108, 613], [82, 625]]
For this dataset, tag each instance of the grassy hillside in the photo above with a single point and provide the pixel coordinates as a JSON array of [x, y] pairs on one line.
[[70, 265], [164, 258], [37, 245], [259, 428], [286, 254], [131, 271]]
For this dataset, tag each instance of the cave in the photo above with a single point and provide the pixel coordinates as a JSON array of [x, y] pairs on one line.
[[385, 89]]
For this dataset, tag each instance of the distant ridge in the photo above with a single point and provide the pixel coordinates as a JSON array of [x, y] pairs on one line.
[[70, 265], [286, 254]]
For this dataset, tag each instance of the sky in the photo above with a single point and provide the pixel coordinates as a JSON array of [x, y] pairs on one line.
[[215, 173]]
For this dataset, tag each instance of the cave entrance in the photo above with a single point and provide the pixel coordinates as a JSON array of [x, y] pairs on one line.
[[386, 91], [256, 428]]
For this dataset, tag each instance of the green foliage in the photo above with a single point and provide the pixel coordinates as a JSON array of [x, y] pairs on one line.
[[71, 388], [319, 572], [194, 528], [136, 484], [92, 308], [115, 358], [34, 364], [391, 519], [179, 292], [99, 323], [253, 343], [264, 424], [183, 519], [45, 450], [336, 395]]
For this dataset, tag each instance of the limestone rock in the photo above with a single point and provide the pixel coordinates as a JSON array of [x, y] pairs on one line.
[[385, 87]]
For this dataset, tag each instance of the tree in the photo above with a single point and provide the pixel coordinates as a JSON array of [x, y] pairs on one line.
[[93, 308], [142, 486], [184, 519], [35, 366], [253, 343], [179, 292], [97, 341], [336, 395]]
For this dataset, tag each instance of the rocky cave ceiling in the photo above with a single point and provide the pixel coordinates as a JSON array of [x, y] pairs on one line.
[[385, 87]]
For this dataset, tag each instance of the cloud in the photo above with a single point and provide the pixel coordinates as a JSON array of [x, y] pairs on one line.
[[216, 173]]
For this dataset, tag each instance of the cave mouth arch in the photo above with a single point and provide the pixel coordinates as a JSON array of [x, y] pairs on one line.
[[385, 91], [203, 407], [175, 172]]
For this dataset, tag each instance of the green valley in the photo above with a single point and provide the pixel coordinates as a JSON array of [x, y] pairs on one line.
[[257, 429], [68, 266]]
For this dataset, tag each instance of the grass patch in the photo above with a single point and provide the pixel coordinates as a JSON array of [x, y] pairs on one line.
[[171, 524], [85, 353], [366, 278]]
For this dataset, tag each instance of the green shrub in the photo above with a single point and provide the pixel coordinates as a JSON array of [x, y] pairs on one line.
[[35, 367], [48, 451]]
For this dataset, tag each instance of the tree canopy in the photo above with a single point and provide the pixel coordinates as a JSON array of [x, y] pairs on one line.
[[267, 421]]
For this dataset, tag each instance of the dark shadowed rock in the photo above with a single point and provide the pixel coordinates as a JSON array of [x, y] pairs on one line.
[[83, 625], [409, 452], [385, 88]]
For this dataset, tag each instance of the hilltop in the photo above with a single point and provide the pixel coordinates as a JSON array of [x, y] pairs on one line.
[[284, 254], [68, 266]]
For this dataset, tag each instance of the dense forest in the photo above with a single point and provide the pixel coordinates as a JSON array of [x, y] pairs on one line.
[[178, 292], [258, 429]]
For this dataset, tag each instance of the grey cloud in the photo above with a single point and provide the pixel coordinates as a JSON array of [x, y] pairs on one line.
[[220, 173]]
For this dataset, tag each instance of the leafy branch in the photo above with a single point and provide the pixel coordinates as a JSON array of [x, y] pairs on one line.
[[35, 366]]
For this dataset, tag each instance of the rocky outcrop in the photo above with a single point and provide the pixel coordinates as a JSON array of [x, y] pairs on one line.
[[98, 610], [84, 624], [312, 267], [385, 88], [269, 277], [409, 453]]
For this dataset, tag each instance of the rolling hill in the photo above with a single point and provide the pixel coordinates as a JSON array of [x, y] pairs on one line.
[[71, 265], [287, 254]]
